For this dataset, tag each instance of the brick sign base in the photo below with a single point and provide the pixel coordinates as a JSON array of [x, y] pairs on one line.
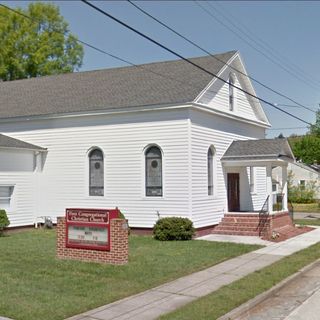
[[118, 253]]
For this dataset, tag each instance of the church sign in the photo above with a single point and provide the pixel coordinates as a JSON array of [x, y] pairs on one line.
[[89, 228]]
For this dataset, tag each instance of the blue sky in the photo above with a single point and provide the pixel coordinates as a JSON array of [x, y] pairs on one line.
[[290, 29]]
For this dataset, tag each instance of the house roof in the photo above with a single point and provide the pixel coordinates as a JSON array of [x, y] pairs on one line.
[[261, 149], [161, 83], [310, 167], [11, 143]]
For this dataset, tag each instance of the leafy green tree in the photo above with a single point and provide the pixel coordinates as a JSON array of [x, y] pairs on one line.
[[315, 128], [38, 47], [306, 148]]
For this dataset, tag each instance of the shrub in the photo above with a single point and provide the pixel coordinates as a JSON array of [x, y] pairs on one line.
[[173, 228], [302, 194], [4, 221]]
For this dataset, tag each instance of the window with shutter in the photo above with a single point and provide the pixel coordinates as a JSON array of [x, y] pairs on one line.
[[153, 172], [96, 176]]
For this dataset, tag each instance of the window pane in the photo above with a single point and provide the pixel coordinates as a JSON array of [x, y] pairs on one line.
[[231, 93], [96, 176], [210, 172], [5, 191], [5, 196], [153, 172]]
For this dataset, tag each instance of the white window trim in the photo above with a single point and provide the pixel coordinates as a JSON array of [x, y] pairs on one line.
[[233, 78], [143, 174], [12, 200], [87, 174], [214, 173]]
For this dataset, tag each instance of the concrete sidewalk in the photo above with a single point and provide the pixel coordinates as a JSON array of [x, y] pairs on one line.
[[160, 300]]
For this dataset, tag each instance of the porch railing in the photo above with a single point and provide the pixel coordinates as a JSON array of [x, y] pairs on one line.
[[263, 216]]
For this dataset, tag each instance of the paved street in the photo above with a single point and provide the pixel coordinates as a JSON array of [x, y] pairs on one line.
[[297, 300]]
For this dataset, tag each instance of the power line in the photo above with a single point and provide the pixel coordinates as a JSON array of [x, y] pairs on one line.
[[100, 50], [252, 46], [210, 54], [290, 106], [109, 54], [292, 128], [185, 59], [260, 42], [114, 56]]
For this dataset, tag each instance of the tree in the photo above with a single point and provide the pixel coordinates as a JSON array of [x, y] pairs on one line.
[[315, 128], [38, 46], [306, 148]]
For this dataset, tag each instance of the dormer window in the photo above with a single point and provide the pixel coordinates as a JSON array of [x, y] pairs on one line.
[[231, 92]]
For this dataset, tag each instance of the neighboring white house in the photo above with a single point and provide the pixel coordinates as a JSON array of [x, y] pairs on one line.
[[301, 174], [146, 139]]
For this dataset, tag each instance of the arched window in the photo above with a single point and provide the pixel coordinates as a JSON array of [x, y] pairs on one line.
[[231, 92], [96, 177], [153, 172], [210, 160]]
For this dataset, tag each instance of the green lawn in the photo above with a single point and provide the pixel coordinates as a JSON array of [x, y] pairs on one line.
[[34, 285], [306, 207], [231, 296], [311, 222]]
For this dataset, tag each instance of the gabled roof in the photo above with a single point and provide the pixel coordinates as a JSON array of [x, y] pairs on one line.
[[262, 149], [11, 143], [161, 83]]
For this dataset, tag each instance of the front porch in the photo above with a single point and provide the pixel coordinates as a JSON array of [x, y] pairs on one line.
[[255, 207]]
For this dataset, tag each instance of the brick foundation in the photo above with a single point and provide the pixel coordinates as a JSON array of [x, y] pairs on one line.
[[252, 224], [119, 248]]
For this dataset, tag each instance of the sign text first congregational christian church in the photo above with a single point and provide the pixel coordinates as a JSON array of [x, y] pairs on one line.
[[89, 228]]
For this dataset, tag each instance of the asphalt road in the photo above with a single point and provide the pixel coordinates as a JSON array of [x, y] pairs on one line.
[[297, 300]]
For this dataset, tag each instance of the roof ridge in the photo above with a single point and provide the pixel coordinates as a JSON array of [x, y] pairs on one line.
[[116, 68]]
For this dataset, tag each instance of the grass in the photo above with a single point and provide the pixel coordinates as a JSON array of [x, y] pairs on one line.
[[310, 222], [231, 296], [35, 285], [306, 207]]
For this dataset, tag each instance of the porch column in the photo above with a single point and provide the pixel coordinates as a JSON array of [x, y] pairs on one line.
[[284, 184], [269, 187]]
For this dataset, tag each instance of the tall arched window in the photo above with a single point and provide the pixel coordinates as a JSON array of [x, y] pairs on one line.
[[231, 92], [153, 172], [210, 160], [96, 176]]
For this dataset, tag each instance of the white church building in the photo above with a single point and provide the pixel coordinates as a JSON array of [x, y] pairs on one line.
[[159, 139]]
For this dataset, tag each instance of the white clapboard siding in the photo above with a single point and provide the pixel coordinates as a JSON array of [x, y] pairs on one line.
[[217, 97], [23, 204], [17, 172], [64, 180], [218, 132]]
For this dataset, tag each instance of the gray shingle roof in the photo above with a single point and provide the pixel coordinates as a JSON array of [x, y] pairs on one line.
[[178, 82], [258, 150], [11, 143]]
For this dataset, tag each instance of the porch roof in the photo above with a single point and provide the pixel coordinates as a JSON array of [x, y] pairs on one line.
[[254, 152], [12, 143]]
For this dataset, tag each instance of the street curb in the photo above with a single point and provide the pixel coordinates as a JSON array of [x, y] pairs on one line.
[[245, 307]]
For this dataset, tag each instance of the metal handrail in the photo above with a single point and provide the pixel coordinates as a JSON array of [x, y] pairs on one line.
[[263, 216]]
